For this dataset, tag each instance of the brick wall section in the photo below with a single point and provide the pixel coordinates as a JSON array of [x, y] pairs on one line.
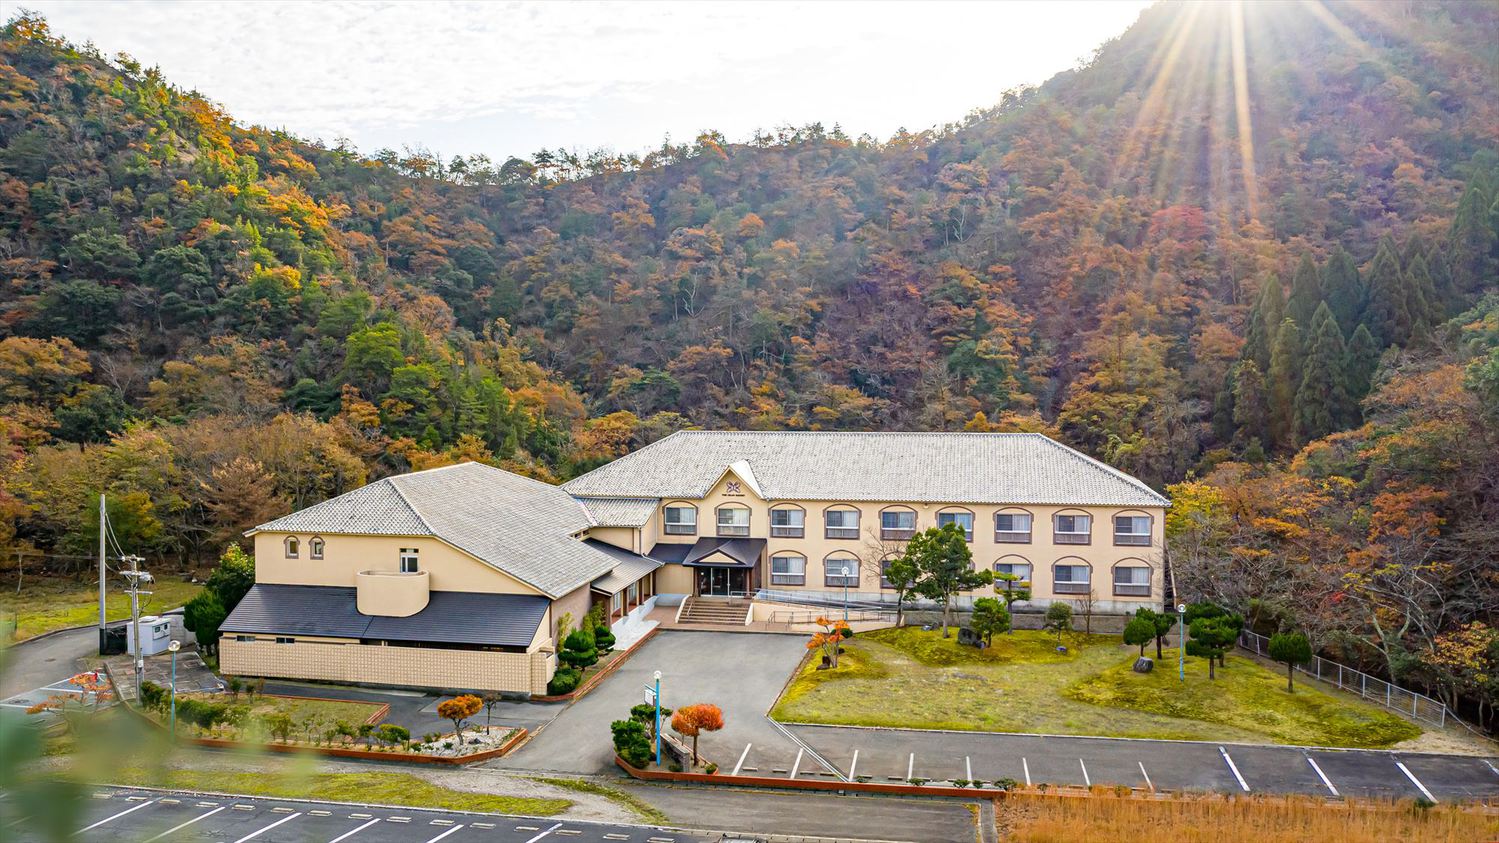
[[419, 667]]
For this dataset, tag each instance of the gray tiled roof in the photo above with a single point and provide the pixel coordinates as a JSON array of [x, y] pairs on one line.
[[632, 566], [993, 468], [620, 512], [521, 526], [450, 617]]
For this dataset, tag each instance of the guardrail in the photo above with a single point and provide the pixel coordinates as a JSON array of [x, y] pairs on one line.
[[791, 618], [1371, 688]]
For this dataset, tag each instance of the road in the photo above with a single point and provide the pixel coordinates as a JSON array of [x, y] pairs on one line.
[[130, 815], [38, 668]]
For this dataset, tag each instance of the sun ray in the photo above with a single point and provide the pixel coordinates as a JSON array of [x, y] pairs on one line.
[[1244, 127]]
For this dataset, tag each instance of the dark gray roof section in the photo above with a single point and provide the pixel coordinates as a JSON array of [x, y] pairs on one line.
[[632, 567], [670, 553], [451, 617], [746, 552]]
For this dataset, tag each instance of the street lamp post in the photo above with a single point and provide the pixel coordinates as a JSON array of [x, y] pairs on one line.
[[173, 648], [1181, 641], [844, 571], [657, 695]]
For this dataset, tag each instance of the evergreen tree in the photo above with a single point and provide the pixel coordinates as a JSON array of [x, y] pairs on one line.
[[1224, 423], [1282, 384], [1264, 321], [1363, 359], [1420, 295], [1341, 287], [1388, 314], [1306, 291], [1251, 414], [1475, 236], [1322, 403]]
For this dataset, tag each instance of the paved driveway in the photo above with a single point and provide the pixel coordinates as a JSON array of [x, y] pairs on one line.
[[742, 673]]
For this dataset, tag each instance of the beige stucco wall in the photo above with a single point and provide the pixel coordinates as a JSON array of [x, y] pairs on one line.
[[412, 667], [625, 537], [575, 603], [391, 593], [1101, 554], [344, 556]]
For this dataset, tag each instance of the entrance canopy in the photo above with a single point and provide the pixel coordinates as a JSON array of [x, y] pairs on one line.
[[719, 552]]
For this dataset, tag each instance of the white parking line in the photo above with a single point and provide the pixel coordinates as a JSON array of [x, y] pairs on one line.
[[742, 756], [445, 833], [1146, 775], [968, 763], [1415, 781], [254, 834], [544, 833], [798, 764], [911, 767], [1321, 775], [1027, 767], [185, 825], [1086, 781], [114, 817], [1235, 768], [346, 835], [852, 765]]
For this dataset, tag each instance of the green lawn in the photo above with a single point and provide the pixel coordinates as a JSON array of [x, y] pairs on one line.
[[48, 603], [311, 717], [375, 788], [915, 679]]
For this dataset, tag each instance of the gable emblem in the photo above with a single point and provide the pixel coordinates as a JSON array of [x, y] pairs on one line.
[[733, 487]]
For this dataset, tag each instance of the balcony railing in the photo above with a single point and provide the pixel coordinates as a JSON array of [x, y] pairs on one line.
[[1139, 539], [898, 534], [1071, 588], [841, 532], [733, 529], [1012, 537], [1072, 538], [786, 531], [681, 529], [1131, 590]]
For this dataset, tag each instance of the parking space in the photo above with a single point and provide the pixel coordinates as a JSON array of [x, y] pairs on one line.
[[148, 817], [895, 755]]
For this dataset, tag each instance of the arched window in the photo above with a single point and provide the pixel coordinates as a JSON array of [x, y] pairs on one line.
[[1132, 578], [788, 521], [315, 547], [293, 547], [788, 569], [1071, 575], [840, 569], [1072, 527], [897, 523], [1132, 528], [840, 521], [680, 519], [733, 520], [1012, 526], [1012, 565], [957, 515]]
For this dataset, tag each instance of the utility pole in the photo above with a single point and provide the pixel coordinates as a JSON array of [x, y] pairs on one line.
[[136, 576], [103, 528]]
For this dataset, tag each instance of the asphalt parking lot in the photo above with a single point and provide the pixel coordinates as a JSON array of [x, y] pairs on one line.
[[140, 816]]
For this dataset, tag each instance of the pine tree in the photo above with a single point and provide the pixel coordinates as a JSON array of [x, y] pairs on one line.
[[1306, 291], [1264, 321], [1475, 236], [1341, 287], [1363, 359], [1420, 295], [1388, 314], [1322, 403], [1224, 424], [1282, 384], [1251, 414]]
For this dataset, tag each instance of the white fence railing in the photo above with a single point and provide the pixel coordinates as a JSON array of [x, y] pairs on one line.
[[1371, 688]]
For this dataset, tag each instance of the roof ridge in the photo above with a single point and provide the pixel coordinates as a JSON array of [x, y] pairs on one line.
[[400, 493], [1097, 463], [641, 450]]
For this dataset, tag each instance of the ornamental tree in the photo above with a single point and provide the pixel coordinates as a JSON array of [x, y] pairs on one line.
[[1161, 624], [1139, 631], [827, 639], [942, 556], [692, 720], [989, 616], [1290, 649], [1211, 637], [459, 709]]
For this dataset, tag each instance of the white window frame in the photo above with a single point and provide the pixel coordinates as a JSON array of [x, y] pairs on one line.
[[1085, 534], [1014, 536], [738, 523], [795, 526], [410, 562], [845, 530], [1132, 538], [832, 579], [679, 528], [293, 547], [1133, 588], [796, 574], [1061, 586], [952, 518], [315, 547]]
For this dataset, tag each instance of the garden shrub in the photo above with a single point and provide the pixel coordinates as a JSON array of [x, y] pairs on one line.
[[579, 649], [391, 733], [153, 695], [631, 743], [564, 681], [603, 639]]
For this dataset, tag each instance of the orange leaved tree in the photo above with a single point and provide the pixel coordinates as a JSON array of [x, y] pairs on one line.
[[692, 720], [828, 637], [459, 709]]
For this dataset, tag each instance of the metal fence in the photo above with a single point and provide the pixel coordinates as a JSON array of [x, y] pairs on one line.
[[1371, 688]]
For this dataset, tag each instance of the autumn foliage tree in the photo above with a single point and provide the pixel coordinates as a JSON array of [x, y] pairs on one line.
[[827, 639], [459, 709], [692, 720]]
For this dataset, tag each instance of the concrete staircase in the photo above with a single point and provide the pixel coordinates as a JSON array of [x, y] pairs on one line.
[[714, 611]]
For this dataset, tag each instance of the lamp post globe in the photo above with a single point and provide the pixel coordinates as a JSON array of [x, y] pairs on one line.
[[173, 648], [844, 572]]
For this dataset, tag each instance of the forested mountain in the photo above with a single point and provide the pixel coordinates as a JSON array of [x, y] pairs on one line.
[[1238, 235]]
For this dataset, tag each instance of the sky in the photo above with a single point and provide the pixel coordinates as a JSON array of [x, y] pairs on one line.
[[512, 78]]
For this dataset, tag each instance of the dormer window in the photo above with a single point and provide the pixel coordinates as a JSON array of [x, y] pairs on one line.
[[293, 547]]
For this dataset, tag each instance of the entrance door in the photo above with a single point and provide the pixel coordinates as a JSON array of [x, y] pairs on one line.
[[720, 582]]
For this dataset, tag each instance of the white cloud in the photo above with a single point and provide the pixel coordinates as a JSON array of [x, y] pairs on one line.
[[508, 78]]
